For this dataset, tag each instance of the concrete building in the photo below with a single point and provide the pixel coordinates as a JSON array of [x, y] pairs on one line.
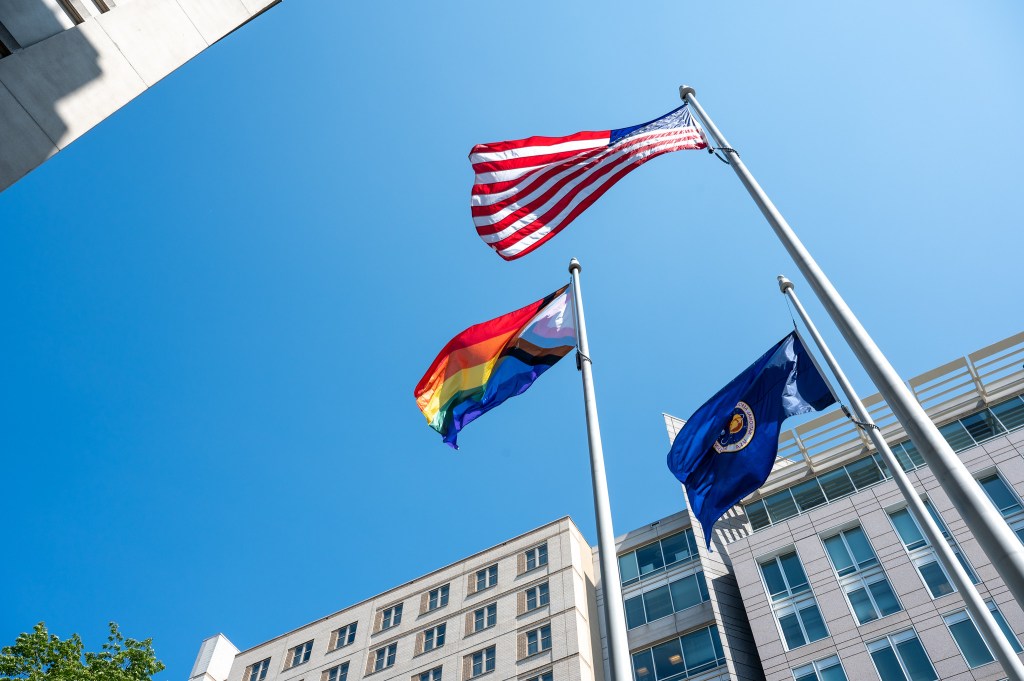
[[821, 575], [65, 65]]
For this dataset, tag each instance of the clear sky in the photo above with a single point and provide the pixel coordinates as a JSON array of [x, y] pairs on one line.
[[217, 303]]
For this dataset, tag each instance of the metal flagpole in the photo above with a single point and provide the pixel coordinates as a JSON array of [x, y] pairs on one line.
[[615, 616], [986, 623], [986, 524]]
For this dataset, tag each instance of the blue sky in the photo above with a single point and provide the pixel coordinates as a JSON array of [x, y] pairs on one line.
[[217, 302]]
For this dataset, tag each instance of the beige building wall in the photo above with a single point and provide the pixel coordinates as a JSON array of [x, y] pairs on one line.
[[568, 573]]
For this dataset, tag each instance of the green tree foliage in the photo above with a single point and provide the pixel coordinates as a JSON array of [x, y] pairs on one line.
[[41, 656]]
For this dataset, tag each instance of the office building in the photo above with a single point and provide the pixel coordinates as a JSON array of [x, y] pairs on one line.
[[821, 575], [65, 65]]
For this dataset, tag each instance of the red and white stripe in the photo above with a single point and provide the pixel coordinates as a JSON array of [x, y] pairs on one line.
[[528, 190]]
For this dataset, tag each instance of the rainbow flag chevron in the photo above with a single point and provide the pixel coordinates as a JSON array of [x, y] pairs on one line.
[[490, 362]]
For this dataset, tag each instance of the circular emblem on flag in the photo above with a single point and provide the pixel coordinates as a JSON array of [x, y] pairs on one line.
[[738, 432]]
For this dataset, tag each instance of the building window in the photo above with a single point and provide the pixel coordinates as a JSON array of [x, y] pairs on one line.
[[901, 657], [861, 576], [537, 596], [338, 673], [536, 557], [430, 675], [661, 602], [538, 640], [828, 487], [482, 662], [485, 617], [829, 669], [1006, 501], [258, 671], [345, 636], [486, 578], [543, 676], [384, 657], [299, 654], [437, 598], [433, 638], [792, 600], [680, 658], [922, 553], [969, 640], [391, 617], [654, 558]]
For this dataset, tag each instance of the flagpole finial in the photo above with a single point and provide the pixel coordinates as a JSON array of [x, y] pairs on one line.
[[686, 90], [784, 283], [574, 265]]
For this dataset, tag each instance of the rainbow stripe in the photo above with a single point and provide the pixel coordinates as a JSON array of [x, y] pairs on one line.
[[490, 362]]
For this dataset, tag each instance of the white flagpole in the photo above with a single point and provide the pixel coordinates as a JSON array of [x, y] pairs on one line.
[[986, 524], [614, 612], [986, 623]]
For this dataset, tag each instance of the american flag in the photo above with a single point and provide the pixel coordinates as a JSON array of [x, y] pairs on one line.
[[528, 190]]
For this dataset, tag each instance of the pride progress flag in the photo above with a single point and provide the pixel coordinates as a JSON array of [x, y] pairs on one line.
[[492, 361], [528, 190]]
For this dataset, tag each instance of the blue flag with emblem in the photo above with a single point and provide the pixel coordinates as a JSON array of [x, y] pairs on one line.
[[727, 448]]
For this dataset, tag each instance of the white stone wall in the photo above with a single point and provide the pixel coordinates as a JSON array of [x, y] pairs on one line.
[[848, 639], [66, 78]]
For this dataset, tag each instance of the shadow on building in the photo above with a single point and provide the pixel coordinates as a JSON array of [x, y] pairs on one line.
[[45, 58]]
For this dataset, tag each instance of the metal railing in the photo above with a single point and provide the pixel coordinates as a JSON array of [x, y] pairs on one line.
[[947, 392]]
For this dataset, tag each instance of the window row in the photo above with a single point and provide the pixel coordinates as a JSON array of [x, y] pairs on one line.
[[476, 664], [901, 657], [961, 434], [657, 556], [859, 573], [677, 595], [680, 658]]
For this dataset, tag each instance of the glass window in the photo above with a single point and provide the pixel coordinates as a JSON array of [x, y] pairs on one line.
[[679, 547], [345, 636], [384, 657], [792, 602], [1010, 412], [901, 657], [921, 553], [538, 640], [983, 425], [300, 654], [653, 558], [431, 675], [968, 639], [1000, 494], [391, 617], [780, 506], [537, 596], [908, 455], [437, 598], [649, 558], [864, 473], [258, 672], [661, 602], [485, 617], [836, 484], [433, 638], [486, 578], [829, 669], [536, 557], [338, 673], [688, 655], [688, 591], [808, 495], [756, 514], [546, 676], [957, 436], [860, 576], [483, 661]]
